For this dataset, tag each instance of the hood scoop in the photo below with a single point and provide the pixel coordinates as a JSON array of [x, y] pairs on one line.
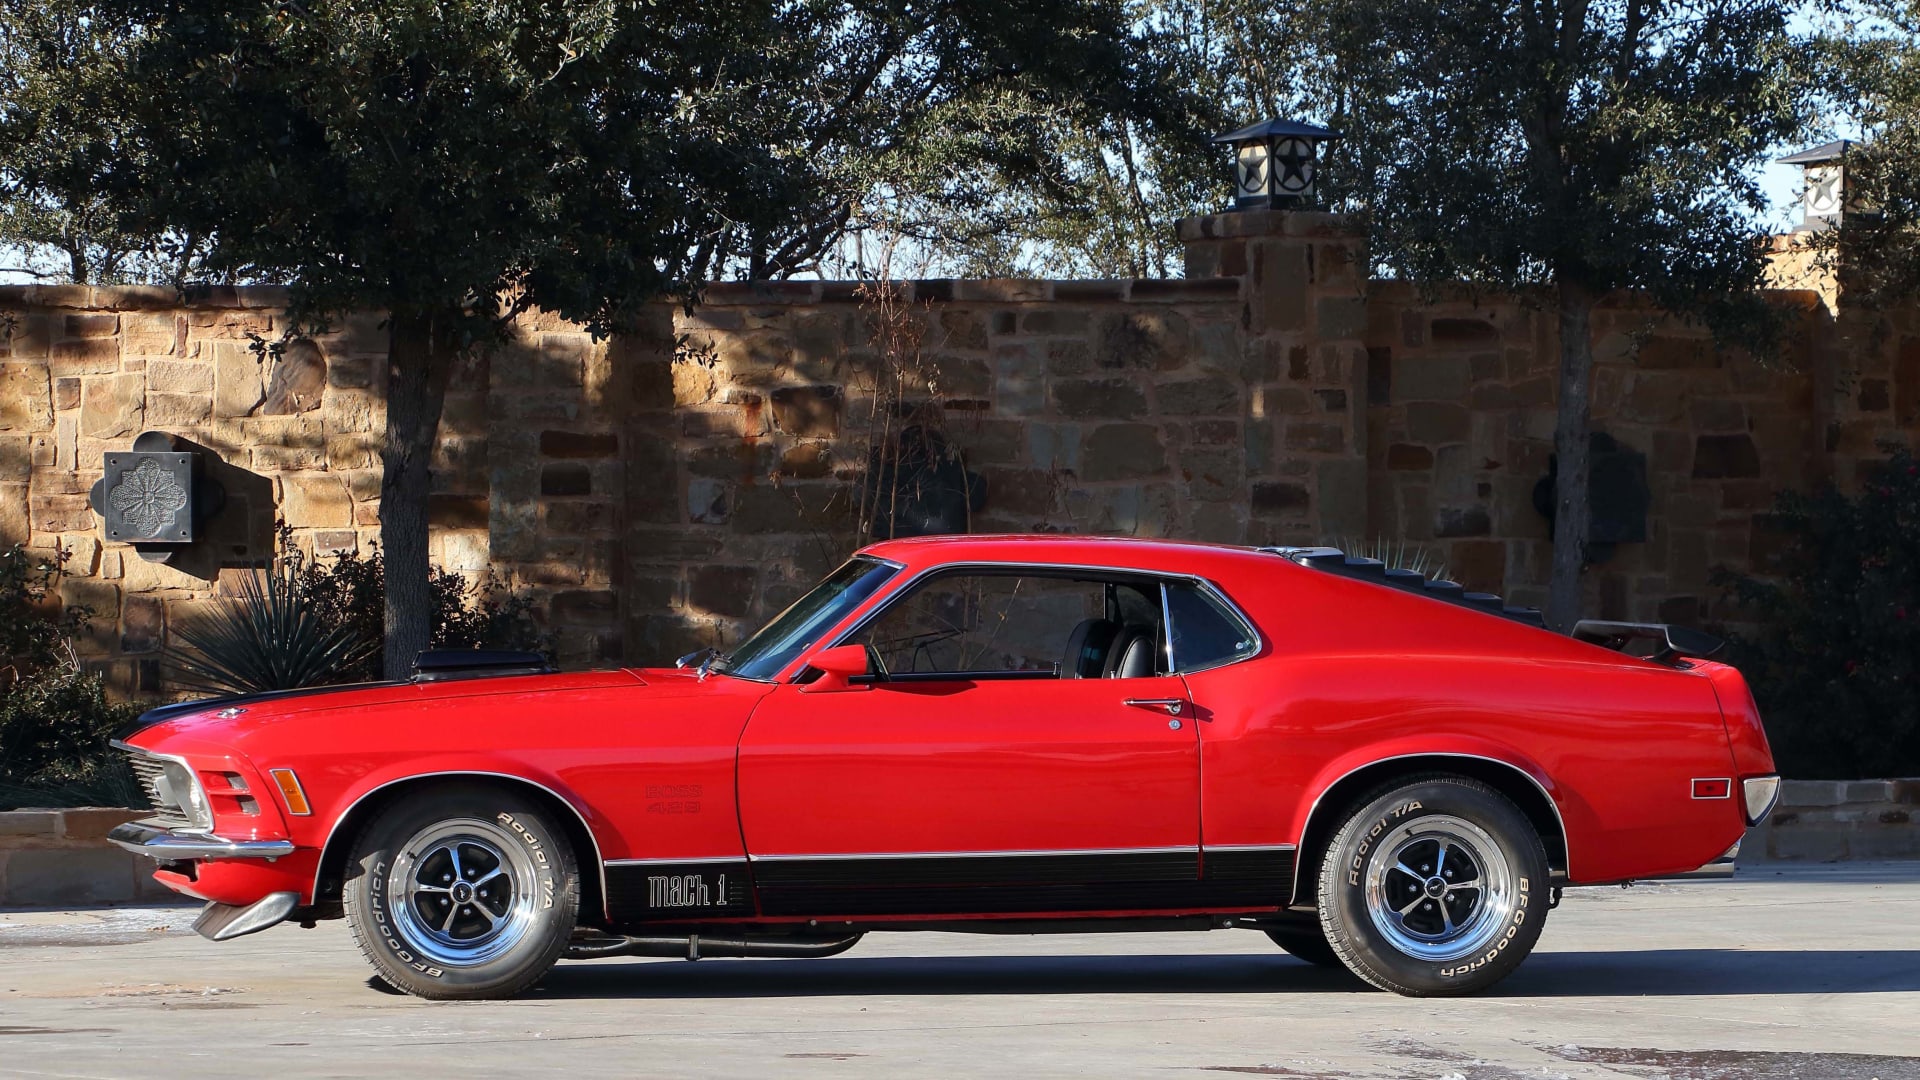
[[444, 665]]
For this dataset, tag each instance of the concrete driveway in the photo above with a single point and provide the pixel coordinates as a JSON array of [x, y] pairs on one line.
[[1802, 972]]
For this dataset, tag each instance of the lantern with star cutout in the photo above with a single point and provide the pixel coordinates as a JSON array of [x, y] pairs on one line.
[[1274, 163], [1824, 196]]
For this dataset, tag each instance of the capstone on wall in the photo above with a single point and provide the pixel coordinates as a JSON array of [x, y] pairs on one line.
[[667, 489]]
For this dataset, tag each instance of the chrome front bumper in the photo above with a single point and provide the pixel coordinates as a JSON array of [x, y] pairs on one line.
[[142, 838]]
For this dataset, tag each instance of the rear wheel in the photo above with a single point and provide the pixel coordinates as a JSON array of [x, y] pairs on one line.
[[467, 891], [1436, 886]]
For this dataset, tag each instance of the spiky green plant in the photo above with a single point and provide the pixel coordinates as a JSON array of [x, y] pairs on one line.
[[1397, 554], [271, 636]]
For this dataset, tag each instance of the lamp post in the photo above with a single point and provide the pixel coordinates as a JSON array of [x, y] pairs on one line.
[[1274, 163]]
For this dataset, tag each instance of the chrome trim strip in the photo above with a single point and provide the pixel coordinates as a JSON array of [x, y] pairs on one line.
[[1248, 847], [977, 854], [677, 862], [156, 843], [1315, 808], [333, 830], [901, 589]]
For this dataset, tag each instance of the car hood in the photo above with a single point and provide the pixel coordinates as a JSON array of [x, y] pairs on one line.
[[211, 717]]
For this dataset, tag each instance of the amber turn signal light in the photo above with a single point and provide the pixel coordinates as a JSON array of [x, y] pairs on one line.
[[290, 792]]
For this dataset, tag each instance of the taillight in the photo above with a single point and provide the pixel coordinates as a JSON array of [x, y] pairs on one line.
[[1761, 793]]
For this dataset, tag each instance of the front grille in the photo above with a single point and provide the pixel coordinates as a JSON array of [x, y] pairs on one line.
[[151, 772]]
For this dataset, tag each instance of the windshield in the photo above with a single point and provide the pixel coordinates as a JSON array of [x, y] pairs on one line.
[[774, 646]]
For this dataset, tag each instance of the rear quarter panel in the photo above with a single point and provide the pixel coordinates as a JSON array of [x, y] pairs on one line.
[[1354, 673]]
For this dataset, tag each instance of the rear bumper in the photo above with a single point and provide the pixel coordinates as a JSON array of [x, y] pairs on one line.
[[1719, 868], [164, 845]]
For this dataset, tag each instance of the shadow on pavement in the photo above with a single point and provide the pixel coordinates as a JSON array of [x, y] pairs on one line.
[[1661, 972]]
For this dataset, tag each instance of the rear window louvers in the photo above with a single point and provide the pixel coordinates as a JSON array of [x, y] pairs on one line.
[[1335, 561]]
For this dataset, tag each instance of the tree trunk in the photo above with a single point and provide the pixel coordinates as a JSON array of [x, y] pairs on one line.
[[1572, 513], [419, 359]]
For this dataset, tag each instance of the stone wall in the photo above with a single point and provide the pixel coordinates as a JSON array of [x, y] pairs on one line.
[[665, 490]]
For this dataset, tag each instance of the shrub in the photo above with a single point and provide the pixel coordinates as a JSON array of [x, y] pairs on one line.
[[1833, 665], [55, 718], [309, 622]]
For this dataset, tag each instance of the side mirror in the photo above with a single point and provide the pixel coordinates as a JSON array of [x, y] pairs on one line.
[[836, 666]]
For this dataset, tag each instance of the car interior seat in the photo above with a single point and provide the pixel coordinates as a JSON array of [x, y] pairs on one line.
[[1131, 656], [1087, 649]]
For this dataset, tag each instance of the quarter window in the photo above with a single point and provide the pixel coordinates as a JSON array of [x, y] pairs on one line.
[[1205, 632]]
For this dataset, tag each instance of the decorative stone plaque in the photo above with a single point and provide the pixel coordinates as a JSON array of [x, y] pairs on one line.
[[147, 497]]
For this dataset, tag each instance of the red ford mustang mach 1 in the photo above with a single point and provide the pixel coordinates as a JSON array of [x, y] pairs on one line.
[[1023, 734]]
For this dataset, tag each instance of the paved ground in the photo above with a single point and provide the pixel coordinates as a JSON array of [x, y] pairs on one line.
[[1799, 973]]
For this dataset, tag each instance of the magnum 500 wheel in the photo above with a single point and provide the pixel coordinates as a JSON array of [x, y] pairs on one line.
[[464, 891], [1437, 886]]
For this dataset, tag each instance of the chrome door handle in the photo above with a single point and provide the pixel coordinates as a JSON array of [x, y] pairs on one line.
[[1173, 705]]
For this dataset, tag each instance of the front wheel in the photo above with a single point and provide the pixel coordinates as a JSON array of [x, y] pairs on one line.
[[1436, 886], [465, 891]]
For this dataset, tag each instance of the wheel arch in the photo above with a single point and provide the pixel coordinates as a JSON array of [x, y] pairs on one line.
[[329, 878], [1526, 790]]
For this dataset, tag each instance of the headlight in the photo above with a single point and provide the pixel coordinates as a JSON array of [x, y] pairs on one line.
[[179, 787], [1760, 791]]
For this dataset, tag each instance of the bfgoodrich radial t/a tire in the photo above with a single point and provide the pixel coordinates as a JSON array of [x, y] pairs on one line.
[[1437, 886], [463, 891]]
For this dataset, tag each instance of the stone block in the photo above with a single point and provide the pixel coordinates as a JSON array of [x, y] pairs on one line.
[[143, 623], [573, 444], [26, 397], [1054, 446], [722, 590], [171, 412], [180, 376], [962, 330], [1337, 317], [1211, 475], [1211, 396], [808, 411], [1033, 492], [1718, 457], [709, 501], [239, 379], [1114, 399], [85, 356], [1019, 386], [92, 326], [15, 527], [66, 393], [315, 501], [583, 607], [1343, 496], [30, 824], [586, 518], [1123, 452], [298, 379], [113, 406], [806, 461], [1142, 340], [1069, 358], [1281, 277], [28, 338], [71, 878], [1055, 322], [90, 823], [1430, 378], [1316, 437], [1278, 498], [16, 459], [1436, 423], [566, 478]]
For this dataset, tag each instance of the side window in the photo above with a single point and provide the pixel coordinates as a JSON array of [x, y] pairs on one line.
[[1205, 632], [1019, 626]]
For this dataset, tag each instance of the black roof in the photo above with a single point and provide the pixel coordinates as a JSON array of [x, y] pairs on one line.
[[1278, 127]]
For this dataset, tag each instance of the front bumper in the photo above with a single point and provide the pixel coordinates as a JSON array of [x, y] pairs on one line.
[[154, 842]]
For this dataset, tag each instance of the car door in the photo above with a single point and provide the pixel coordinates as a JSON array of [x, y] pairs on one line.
[[1024, 751]]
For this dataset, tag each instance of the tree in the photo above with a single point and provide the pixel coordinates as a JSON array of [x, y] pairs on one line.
[[453, 164], [1875, 61], [1571, 147], [56, 55]]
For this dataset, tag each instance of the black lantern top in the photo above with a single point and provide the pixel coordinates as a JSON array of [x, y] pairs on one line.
[[1274, 162], [1824, 176]]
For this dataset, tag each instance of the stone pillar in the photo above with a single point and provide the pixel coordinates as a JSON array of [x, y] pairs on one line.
[[1303, 294]]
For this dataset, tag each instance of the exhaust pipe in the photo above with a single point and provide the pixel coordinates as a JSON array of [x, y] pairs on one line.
[[696, 946]]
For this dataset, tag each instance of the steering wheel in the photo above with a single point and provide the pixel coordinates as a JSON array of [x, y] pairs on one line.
[[876, 666]]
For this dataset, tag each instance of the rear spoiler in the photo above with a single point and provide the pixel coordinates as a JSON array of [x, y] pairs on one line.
[[1674, 641]]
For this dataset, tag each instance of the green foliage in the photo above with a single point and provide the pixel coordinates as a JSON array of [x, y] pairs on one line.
[[1610, 144], [1873, 64], [1834, 664], [269, 637], [350, 592], [54, 718], [305, 622]]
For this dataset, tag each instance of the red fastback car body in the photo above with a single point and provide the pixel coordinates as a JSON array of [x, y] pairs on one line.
[[1027, 733]]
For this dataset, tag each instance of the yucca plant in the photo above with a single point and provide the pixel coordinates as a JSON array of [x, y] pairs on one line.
[[1397, 554], [271, 636]]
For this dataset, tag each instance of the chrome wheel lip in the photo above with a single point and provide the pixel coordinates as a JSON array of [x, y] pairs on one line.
[[472, 837], [1487, 912]]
